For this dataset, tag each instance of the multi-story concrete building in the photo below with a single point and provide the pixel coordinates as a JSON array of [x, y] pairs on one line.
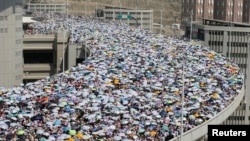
[[233, 41], [11, 39], [246, 11], [49, 7], [199, 9], [142, 18], [46, 55], [228, 10]]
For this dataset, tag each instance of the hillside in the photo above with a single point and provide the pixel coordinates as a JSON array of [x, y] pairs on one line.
[[170, 8]]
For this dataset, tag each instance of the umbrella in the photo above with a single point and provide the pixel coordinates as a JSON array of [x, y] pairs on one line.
[[165, 127], [4, 126], [191, 117], [153, 133], [64, 136], [141, 130], [20, 132], [117, 138], [40, 131], [72, 132], [149, 95], [86, 137]]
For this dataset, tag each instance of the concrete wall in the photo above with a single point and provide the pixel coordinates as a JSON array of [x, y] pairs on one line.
[[200, 132], [11, 58], [143, 17], [34, 44], [76, 51], [218, 39]]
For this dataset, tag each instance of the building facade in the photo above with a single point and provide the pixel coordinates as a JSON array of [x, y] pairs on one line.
[[227, 10], [46, 55], [142, 18], [199, 9], [48, 7], [246, 11], [233, 42], [11, 39]]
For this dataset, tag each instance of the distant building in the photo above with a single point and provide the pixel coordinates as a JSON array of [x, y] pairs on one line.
[[11, 39], [199, 9], [142, 18], [228, 10], [246, 11], [48, 7], [43, 55], [233, 41]]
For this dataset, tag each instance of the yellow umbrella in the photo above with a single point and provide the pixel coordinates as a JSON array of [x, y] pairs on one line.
[[153, 133], [79, 135], [116, 81], [197, 115], [215, 95]]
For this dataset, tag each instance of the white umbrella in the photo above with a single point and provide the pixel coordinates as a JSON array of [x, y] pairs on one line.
[[149, 95], [86, 137], [85, 127], [4, 126], [117, 138], [40, 131], [63, 136]]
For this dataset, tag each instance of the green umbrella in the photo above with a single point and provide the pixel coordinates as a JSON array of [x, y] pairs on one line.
[[141, 130], [72, 132], [165, 127], [42, 139], [20, 132], [169, 101], [63, 103]]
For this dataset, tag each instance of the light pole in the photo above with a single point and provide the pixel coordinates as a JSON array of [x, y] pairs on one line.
[[161, 23], [191, 25], [229, 41], [183, 90], [120, 9], [63, 49], [175, 17]]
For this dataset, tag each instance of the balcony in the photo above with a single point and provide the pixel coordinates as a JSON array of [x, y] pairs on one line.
[[37, 67]]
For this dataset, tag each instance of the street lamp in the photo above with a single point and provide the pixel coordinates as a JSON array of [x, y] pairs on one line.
[[183, 90], [191, 25], [175, 26], [63, 50], [229, 42], [161, 23]]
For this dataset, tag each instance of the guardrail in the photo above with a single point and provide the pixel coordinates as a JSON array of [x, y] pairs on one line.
[[201, 130]]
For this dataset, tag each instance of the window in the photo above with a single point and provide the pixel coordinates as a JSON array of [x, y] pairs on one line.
[[19, 41], [18, 77]]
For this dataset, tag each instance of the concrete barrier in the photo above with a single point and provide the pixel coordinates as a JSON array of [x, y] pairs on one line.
[[201, 130]]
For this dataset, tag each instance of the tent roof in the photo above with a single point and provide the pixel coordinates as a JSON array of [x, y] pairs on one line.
[[28, 20]]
